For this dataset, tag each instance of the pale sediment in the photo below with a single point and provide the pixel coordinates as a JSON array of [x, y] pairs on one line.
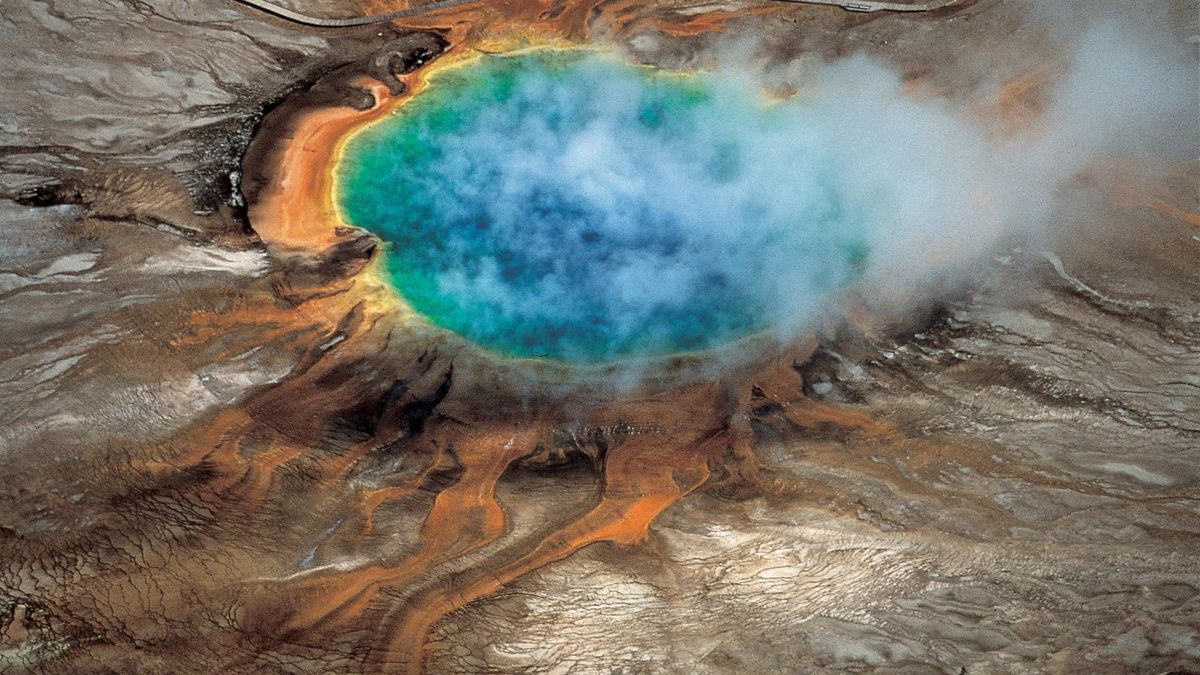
[[231, 458]]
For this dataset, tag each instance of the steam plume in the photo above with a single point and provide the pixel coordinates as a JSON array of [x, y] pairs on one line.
[[612, 234]]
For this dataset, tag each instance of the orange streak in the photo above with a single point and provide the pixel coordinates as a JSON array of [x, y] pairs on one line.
[[642, 478], [465, 517], [296, 210], [1169, 210], [711, 22]]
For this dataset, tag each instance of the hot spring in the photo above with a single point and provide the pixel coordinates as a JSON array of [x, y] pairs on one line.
[[567, 204]]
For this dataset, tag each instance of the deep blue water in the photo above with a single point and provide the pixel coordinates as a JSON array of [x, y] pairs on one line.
[[569, 205]]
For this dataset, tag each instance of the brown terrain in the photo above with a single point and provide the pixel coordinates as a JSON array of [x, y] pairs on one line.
[[227, 448]]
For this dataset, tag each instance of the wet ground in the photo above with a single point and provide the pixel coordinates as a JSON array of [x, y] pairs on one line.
[[230, 452]]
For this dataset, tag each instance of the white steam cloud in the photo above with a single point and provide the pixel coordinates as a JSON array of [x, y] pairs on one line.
[[926, 187], [947, 189]]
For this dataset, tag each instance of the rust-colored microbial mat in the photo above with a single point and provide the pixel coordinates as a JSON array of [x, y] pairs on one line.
[[232, 444]]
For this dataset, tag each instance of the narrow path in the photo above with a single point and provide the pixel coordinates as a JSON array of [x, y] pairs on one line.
[[320, 22], [871, 6]]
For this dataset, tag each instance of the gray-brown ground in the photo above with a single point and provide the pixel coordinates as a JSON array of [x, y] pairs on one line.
[[1025, 495]]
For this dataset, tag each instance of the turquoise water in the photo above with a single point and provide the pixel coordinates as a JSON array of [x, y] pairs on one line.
[[566, 204]]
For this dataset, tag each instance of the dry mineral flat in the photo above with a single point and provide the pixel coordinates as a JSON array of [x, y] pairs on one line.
[[228, 447]]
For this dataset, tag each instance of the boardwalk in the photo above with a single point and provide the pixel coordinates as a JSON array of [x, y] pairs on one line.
[[870, 6], [322, 22]]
